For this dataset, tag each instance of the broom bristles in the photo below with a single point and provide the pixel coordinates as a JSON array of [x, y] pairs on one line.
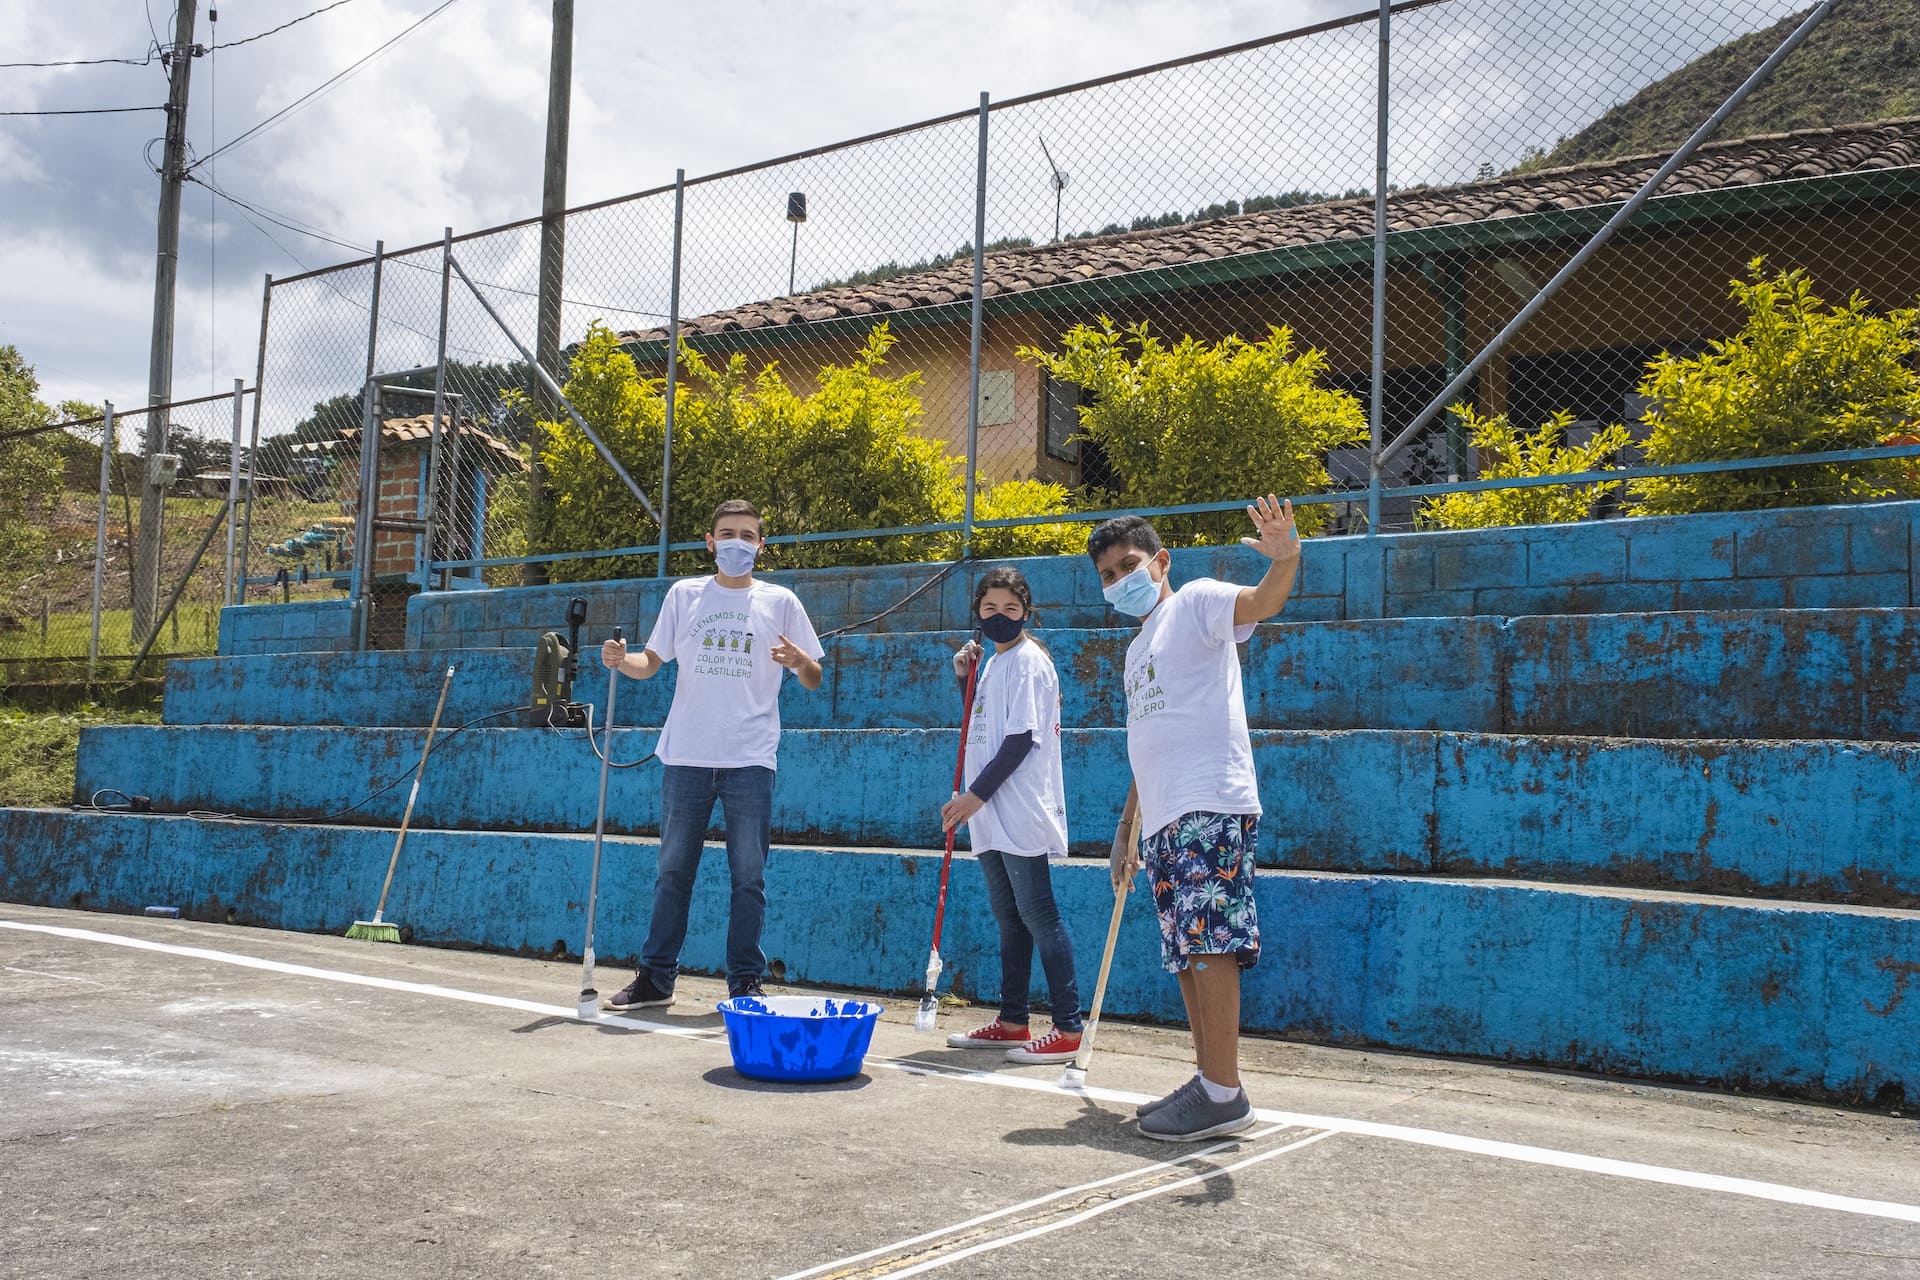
[[374, 931]]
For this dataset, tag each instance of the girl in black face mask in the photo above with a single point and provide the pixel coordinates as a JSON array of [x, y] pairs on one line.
[[1016, 816]]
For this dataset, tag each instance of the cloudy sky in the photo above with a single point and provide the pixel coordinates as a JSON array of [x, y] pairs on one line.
[[446, 128]]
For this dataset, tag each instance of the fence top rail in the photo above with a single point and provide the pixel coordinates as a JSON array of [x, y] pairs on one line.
[[1244, 46], [1612, 475], [127, 413]]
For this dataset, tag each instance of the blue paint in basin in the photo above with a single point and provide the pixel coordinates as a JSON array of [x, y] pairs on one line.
[[807, 1039]]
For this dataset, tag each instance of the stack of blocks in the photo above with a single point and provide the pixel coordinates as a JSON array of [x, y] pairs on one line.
[[1632, 796]]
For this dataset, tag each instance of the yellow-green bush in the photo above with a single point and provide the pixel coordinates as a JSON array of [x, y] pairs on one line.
[[1509, 453], [1205, 421], [1799, 377]]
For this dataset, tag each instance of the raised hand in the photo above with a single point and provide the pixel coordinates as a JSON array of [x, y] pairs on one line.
[[1276, 538]]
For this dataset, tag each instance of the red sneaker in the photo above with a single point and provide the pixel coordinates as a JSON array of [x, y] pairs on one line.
[[1055, 1046], [995, 1035]]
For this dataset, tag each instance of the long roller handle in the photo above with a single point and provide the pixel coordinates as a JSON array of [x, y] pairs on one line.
[[959, 776]]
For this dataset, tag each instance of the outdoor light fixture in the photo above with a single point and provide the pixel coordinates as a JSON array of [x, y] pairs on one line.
[[796, 214]]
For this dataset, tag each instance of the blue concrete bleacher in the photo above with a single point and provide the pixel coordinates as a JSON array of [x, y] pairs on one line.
[[1632, 795]]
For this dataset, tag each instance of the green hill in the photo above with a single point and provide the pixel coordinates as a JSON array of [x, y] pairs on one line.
[[1862, 63]]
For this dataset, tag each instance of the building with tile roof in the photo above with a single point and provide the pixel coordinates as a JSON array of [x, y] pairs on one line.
[[1843, 203]]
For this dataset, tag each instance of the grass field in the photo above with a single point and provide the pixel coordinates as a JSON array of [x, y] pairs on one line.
[[37, 751]]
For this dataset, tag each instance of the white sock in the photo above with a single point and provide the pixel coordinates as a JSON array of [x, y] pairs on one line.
[[1218, 1092]]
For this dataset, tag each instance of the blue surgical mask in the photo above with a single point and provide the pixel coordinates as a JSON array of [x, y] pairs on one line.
[[735, 556], [1136, 593]]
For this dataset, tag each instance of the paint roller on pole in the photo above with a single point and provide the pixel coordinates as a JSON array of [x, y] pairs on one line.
[[928, 1018], [553, 388], [589, 998]]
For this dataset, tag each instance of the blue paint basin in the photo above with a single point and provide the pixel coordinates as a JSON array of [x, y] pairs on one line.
[[806, 1039]]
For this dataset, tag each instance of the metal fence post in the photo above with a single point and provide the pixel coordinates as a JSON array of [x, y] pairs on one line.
[[360, 582], [673, 368], [253, 444], [429, 508], [979, 323], [1376, 409], [100, 538], [233, 487]]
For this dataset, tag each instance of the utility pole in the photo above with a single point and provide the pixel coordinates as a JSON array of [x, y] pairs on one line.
[[153, 491], [553, 248]]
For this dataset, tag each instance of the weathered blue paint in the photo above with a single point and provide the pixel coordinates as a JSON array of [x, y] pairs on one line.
[[1852, 674], [307, 627], [1814, 819], [1821, 557], [1751, 994]]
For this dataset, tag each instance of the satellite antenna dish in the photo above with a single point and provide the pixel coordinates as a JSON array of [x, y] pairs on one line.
[[1059, 185]]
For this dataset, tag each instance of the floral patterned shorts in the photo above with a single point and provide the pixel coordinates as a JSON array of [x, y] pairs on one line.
[[1201, 869]]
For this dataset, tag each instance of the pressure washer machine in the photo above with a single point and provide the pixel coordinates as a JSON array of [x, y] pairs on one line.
[[556, 664]]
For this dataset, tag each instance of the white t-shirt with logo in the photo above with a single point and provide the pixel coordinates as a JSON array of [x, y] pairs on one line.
[[1019, 692], [1186, 717], [726, 698]]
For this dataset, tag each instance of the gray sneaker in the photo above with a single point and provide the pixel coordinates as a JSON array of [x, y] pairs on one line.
[[1190, 1117], [1148, 1108]]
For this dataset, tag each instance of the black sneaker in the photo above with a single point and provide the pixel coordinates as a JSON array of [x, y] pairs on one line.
[[641, 993], [746, 987]]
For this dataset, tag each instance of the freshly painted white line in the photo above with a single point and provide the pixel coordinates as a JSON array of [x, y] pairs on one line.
[[1126, 1176], [569, 1012], [1475, 1146], [1520, 1152], [1001, 1242]]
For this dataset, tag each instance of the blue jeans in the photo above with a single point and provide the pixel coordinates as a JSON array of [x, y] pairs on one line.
[[687, 796], [1020, 890]]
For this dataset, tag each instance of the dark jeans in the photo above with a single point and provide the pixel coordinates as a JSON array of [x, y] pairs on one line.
[[687, 797], [1021, 892]]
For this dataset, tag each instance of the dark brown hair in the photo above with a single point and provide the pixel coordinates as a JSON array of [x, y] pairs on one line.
[[736, 507], [1007, 578]]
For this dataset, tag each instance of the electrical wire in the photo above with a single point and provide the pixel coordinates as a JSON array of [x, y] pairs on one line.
[[234, 44], [88, 62], [899, 604], [84, 111], [327, 84]]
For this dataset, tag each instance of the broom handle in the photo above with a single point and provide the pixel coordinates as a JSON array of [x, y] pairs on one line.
[[413, 794], [959, 776], [1106, 958]]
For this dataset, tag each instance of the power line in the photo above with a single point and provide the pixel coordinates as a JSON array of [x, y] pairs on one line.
[[87, 111], [327, 84], [93, 62], [282, 27]]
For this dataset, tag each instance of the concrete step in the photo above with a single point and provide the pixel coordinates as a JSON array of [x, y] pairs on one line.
[[1820, 820], [1780, 673], [1754, 995]]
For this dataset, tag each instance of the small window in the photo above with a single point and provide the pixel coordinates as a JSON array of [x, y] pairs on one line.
[[1063, 420]]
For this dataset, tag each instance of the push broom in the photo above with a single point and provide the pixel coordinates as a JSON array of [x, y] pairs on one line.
[[1075, 1076], [929, 1016], [378, 929]]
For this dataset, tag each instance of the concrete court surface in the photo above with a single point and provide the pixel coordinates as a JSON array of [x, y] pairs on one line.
[[230, 1102]]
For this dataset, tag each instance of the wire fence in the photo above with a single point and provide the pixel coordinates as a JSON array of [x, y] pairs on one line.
[[1181, 298], [143, 497]]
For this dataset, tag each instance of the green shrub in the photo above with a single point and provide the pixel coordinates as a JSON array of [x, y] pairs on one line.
[[1799, 377], [1203, 422], [1013, 498], [1518, 454]]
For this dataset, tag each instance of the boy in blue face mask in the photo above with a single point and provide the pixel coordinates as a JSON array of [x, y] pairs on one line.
[[735, 638], [1194, 788]]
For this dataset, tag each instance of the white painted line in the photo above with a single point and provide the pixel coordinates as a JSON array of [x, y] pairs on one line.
[[1474, 1146], [569, 1012], [1126, 1176], [1778, 1192], [988, 1246]]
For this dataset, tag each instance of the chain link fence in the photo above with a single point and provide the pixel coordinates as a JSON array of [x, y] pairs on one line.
[[116, 518], [1177, 304]]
